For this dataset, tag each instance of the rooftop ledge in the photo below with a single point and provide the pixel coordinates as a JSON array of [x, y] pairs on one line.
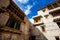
[[54, 9]]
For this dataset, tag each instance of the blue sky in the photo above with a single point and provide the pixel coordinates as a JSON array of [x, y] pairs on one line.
[[30, 7]]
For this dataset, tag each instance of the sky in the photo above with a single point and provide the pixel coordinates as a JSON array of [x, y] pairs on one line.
[[30, 7]]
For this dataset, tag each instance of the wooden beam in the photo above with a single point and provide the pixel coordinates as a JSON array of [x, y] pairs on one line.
[[17, 8], [11, 30]]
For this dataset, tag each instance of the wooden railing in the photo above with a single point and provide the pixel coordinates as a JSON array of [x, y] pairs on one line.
[[11, 30]]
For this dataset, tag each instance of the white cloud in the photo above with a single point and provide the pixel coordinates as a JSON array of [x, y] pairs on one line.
[[23, 1], [27, 11]]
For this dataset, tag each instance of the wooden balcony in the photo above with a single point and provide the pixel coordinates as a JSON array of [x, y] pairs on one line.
[[10, 30], [17, 18]]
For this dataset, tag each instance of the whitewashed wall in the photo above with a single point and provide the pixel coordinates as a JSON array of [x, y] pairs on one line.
[[51, 28]]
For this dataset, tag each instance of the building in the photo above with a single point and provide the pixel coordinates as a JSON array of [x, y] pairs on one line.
[[58, 0], [14, 24], [35, 34], [48, 21]]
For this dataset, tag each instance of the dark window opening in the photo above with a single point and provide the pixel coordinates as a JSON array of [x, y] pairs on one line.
[[9, 7], [58, 23], [46, 16], [55, 5], [17, 26], [57, 37], [2, 11], [43, 10], [43, 28], [49, 7], [11, 23], [36, 20], [33, 38]]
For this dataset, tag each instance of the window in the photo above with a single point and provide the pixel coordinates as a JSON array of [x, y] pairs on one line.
[[33, 37], [55, 5], [9, 7], [57, 37], [43, 28], [46, 16], [43, 10], [11, 23], [17, 26], [36, 20], [58, 23], [49, 7], [2, 11]]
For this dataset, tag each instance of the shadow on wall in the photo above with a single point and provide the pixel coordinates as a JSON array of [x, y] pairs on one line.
[[37, 35]]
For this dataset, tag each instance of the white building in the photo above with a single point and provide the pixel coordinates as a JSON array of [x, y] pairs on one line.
[[48, 21]]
